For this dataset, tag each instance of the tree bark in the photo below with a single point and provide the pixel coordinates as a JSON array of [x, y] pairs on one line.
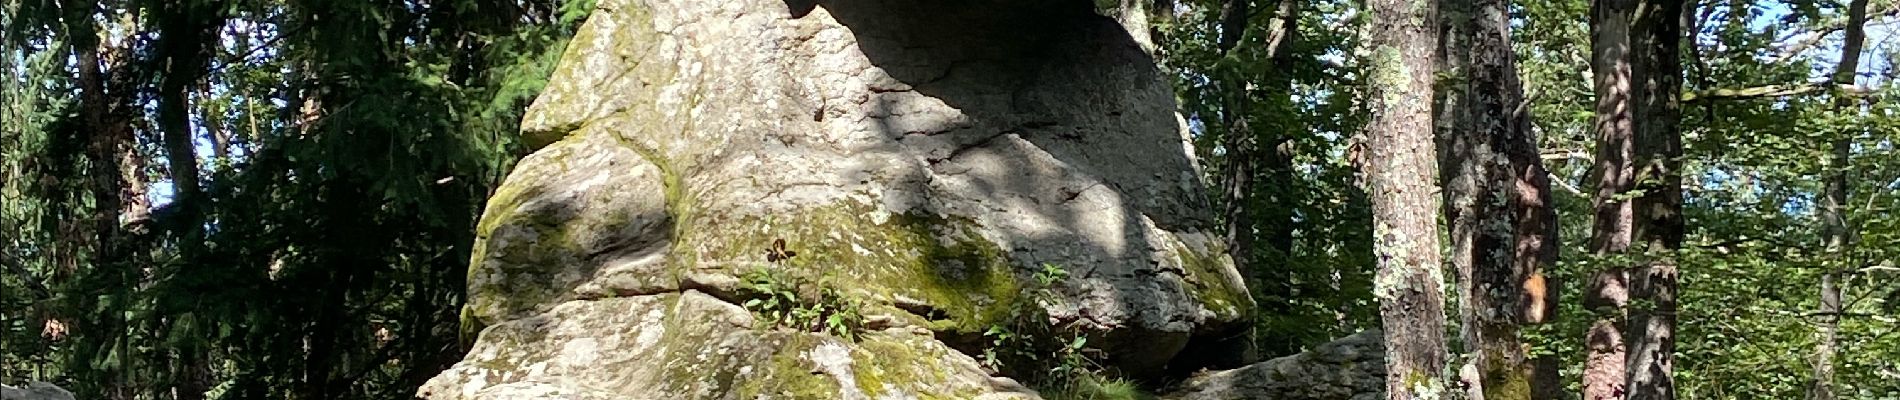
[[1835, 233], [113, 181], [1249, 150], [1497, 200], [1239, 143], [1401, 38], [1277, 155], [187, 30], [1614, 175], [1659, 226]]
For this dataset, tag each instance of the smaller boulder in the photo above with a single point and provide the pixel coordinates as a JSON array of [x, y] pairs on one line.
[[35, 390], [1351, 368]]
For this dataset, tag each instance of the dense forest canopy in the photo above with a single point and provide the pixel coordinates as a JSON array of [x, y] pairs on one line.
[[277, 198]]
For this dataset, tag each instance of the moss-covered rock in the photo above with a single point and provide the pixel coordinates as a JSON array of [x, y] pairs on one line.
[[692, 345], [1351, 368], [922, 160]]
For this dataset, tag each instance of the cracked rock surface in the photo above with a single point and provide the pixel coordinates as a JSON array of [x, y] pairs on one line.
[[923, 158], [1351, 368]]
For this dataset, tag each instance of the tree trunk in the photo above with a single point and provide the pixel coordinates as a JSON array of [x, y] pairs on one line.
[[1277, 155], [215, 129], [1256, 152], [186, 32], [1659, 222], [1498, 197], [116, 187], [1614, 174], [1402, 37], [1240, 143], [1835, 233]]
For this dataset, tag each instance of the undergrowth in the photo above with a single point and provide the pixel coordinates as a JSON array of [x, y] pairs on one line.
[[787, 301]]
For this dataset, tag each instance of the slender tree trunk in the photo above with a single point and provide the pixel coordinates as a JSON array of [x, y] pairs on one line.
[[1659, 222], [1463, 177], [187, 31], [1835, 233], [1401, 38], [1277, 155], [1613, 221], [213, 117], [1239, 143], [116, 187]]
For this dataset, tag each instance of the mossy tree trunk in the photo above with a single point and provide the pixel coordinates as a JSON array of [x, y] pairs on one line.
[[1401, 38], [1497, 196], [1239, 142]]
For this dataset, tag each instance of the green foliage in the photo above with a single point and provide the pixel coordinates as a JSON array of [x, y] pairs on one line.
[[1096, 387], [352, 145], [1751, 267], [786, 301], [358, 140], [1053, 357], [1310, 220]]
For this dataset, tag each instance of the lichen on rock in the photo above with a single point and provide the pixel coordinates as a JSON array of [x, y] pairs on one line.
[[923, 159], [1351, 368]]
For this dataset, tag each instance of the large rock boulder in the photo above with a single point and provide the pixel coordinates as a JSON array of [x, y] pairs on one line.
[[1351, 368], [921, 159], [35, 391]]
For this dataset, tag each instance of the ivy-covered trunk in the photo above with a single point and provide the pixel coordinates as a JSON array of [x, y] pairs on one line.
[[1401, 38]]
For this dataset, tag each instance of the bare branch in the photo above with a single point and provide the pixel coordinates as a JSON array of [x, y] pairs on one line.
[[1816, 37], [1770, 91], [1567, 186]]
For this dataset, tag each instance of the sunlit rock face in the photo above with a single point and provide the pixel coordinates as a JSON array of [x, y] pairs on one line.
[[1351, 368], [926, 159], [35, 391]]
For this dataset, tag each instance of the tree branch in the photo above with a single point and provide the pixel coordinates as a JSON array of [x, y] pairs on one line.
[[1770, 91], [1814, 38], [13, 264], [1566, 186]]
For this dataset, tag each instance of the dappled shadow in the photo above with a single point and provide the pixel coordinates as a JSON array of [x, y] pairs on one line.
[[1040, 133], [1042, 124]]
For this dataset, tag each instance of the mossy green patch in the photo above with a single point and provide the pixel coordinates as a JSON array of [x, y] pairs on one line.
[[883, 364], [1095, 387], [787, 373], [964, 280], [1209, 282], [633, 39], [1503, 381]]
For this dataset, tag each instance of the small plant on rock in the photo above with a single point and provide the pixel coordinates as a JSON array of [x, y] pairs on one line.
[[783, 300], [1052, 357]]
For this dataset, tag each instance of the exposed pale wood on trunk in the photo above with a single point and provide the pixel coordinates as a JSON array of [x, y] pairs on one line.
[[1497, 195]]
